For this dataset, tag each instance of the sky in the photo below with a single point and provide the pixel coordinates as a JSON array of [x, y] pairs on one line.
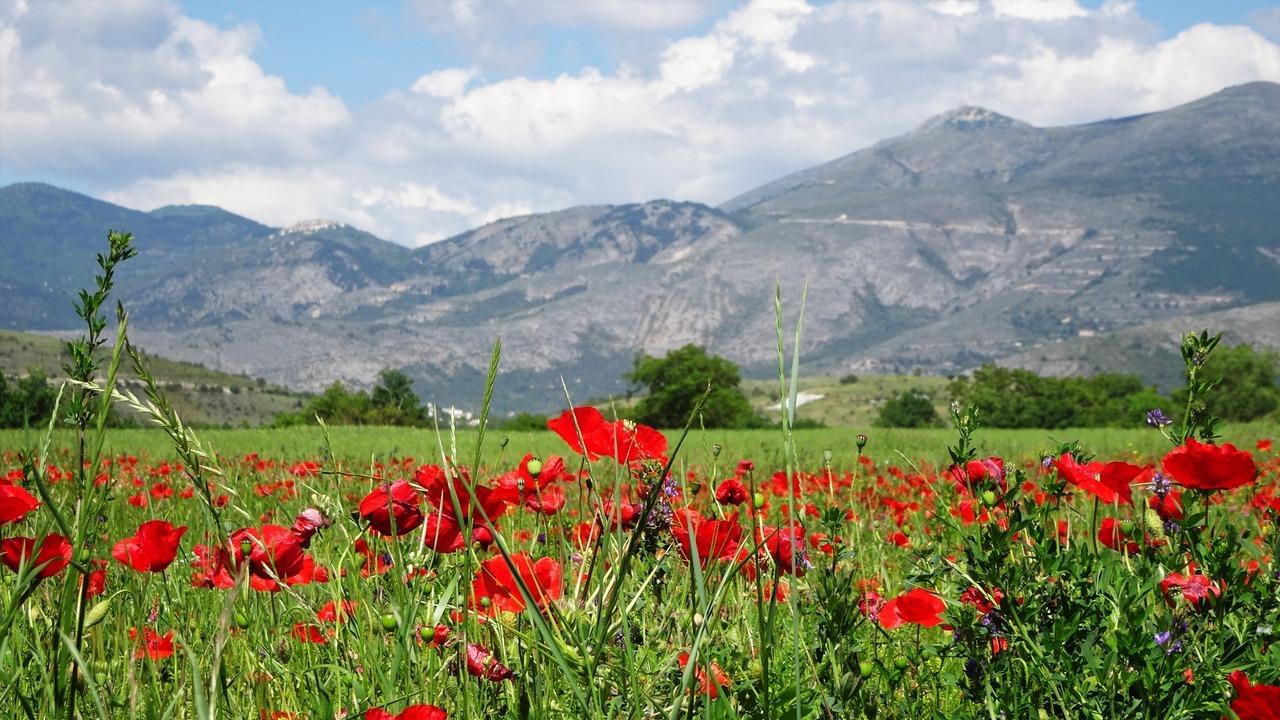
[[419, 120]]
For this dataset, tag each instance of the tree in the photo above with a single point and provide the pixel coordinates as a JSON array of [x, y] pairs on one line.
[[1246, 388], [1015, 398], [910, 409], [394, 402], [28, 402], [674, 384]]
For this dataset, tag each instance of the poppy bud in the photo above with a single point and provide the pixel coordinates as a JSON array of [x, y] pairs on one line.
[[862, 441], [989, 498], [97, 613], [241, 620], [503, 442], [757, 500], [534, 467]]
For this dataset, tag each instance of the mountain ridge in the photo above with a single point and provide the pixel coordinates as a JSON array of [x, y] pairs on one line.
[[974, 237]]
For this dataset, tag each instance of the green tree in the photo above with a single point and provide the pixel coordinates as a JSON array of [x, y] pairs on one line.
[[675, 382], [393, 401], [910, 409], [28, 402], [1246, 389], [1016, 398]]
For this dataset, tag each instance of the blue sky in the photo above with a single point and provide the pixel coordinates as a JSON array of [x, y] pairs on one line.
[[362, 50], [419, 120]]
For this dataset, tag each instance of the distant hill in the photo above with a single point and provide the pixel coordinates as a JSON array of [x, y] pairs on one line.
[[200, 396], [976, 237]]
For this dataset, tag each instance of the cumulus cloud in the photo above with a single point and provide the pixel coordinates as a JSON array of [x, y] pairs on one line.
[[147, 106]]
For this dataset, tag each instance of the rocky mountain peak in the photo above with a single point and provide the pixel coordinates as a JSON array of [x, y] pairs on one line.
[[971, 117]]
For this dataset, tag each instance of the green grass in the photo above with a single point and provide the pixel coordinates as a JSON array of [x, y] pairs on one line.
[[762, 446], [202, 397]]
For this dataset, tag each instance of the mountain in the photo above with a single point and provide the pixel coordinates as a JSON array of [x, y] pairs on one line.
[[975, 237]]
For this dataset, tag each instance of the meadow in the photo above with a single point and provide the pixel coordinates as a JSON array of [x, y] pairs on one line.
[[606, 569]]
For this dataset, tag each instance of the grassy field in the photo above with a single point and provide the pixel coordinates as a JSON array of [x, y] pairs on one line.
[[762, 446], [200, 395]]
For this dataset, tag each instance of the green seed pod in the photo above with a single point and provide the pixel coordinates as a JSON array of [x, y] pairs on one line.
[[97, 613], [389, 622], [901, 662], [1126, 526], [1155, 525], [989, 498], [757, 500], [866, 668], [716, 449], [862, 441], [534, 467], [241, 620]]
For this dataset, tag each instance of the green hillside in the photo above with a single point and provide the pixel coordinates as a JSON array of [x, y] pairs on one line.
[[200, 395], [845, 404]]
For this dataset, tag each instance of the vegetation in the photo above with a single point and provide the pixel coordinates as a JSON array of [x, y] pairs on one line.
[[201, 397], [911, 409], [1015, 398], [392, 402], [1245, 384], [674, 385], [27, 401]]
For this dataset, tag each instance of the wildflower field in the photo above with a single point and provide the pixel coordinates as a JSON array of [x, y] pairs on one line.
[[604, 569]]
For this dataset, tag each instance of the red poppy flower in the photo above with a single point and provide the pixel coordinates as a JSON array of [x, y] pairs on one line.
[[1197, 589], [715, 539], [15, 503], [1109, 482], [1210, 467], [482, 664], [336, 612], [915, 607], [787, 548], [982, 602], [495, 582], [1254, 702], [273, 552], [153, 646], [622, 440], [732, 492], [309, 634], [1169, 507], [709, 684], [53, 554], [1113, 536], [442, 534], [976, 473], [392, 510], [152, 548], [413, 712]]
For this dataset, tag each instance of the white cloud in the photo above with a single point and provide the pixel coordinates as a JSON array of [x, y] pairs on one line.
[[1039, 9], [446, 83], [149, 107]]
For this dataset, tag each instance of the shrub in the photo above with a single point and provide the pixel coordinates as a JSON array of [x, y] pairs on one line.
[[910, 409]]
